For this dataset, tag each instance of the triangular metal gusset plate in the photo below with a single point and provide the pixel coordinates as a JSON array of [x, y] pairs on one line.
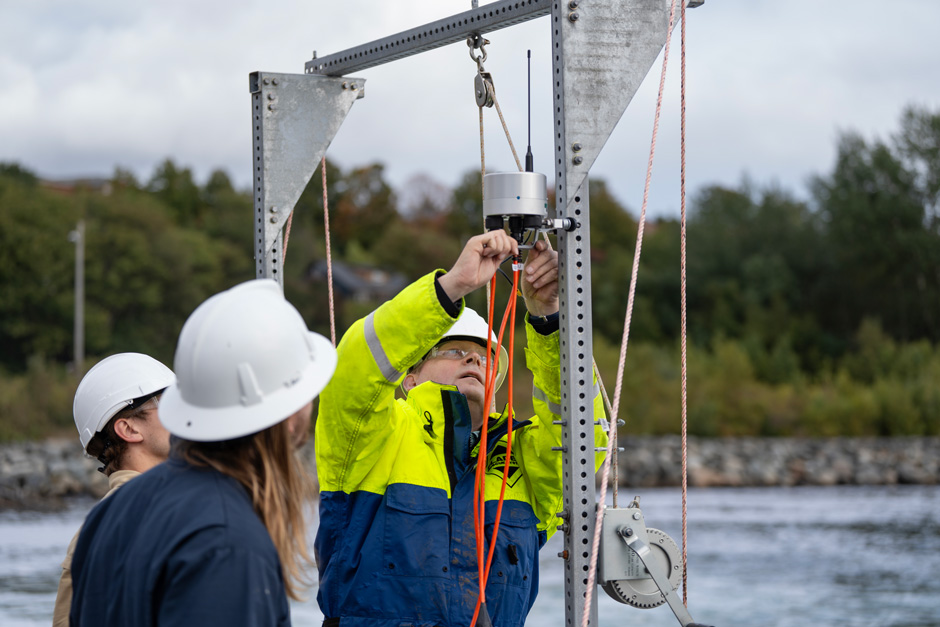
[[294, 119], [606, 49]]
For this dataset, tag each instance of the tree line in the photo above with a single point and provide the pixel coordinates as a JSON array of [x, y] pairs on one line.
[[812, 317]]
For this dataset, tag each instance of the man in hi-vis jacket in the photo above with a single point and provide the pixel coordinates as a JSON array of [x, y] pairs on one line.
[[396, 543]]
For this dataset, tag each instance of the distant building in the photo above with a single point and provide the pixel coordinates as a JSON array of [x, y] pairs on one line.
[[359, 283]]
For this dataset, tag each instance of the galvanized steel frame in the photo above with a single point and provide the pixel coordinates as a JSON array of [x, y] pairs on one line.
[[602, 50], [491, 17]]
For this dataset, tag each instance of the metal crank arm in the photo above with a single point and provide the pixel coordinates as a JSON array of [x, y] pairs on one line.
[[642, 551]]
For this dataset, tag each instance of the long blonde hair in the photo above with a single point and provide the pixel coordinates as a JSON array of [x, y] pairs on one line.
[[280, 488]]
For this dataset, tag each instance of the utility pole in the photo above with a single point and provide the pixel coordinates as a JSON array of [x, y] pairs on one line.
[[77, 237]]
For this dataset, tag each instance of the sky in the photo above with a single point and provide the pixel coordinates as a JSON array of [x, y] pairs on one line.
[[90, 85]]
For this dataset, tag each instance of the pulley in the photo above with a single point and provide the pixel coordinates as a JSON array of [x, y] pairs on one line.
[[483, 87]]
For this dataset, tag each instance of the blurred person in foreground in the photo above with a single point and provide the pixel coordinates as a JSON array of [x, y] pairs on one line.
[[115, 412], [216, 534]]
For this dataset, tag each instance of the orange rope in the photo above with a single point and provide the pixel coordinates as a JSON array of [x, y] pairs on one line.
[[479, 497], [502, 490], [478, 517]]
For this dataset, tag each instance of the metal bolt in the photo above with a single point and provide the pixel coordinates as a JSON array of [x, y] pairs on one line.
[[576, 147], [562, 527], [578, 160], [563, 555], [270, 96], [314, 54], [345, 85], [270, 107], [266, 82], [354, 87], [573, 17], [273, 219], [636, 516], [627, 532], [273, 209], [274, 81], [573, 4]]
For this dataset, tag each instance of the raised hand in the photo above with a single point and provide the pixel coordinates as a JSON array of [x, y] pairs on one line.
[[540, 280], [478, 262]]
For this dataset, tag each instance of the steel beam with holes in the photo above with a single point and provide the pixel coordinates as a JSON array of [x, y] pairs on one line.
[[601, 51], [456, 28]]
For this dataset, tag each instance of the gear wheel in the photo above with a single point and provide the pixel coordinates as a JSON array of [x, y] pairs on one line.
[[643, 593]]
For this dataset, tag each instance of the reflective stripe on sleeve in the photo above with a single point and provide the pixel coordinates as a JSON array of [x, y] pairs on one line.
[[555, 408], [539, 395], [378, 353]]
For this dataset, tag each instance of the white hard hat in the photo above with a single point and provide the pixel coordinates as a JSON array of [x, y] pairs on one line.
[[245, 361], [471, 326], [113, 384]]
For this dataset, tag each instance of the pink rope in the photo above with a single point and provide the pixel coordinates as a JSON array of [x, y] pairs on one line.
[[290, 220], [685, 393], [329, 256], [601, 505]]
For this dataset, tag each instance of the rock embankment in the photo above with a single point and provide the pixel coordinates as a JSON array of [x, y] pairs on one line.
[[657, 461], [41, 474]]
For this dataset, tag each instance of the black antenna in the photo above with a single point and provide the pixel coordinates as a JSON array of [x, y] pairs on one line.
[[529, 162]]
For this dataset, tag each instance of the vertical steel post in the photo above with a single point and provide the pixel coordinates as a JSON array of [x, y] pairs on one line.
[[577, 397], [267, 244]]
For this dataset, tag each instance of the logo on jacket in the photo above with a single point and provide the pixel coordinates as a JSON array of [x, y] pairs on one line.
[[496, 461]]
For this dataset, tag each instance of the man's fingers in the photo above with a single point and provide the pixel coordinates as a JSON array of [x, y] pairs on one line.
[[545, 275], [498, 244]]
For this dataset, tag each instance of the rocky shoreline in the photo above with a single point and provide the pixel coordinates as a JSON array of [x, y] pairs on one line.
[[740, 462], [41, 475]]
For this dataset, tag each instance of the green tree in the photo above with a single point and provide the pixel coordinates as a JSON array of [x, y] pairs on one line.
[[364, 209], [882, 234], [37, 266], [177, 189]]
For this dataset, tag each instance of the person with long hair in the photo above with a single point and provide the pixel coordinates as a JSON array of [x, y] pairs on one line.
[[216, 535]]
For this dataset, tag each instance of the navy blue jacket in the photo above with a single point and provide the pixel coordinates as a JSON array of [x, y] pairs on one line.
[[178, 545]]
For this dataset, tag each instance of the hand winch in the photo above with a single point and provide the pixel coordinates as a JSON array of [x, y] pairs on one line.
[[639, 565]]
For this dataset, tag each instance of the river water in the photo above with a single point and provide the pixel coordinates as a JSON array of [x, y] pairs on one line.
[[774, 557]]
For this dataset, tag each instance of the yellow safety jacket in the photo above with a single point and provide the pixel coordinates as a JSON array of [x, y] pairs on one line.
[[395, 544]]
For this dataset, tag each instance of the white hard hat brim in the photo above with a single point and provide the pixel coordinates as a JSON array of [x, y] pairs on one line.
[[215, 424], [470, 325]]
